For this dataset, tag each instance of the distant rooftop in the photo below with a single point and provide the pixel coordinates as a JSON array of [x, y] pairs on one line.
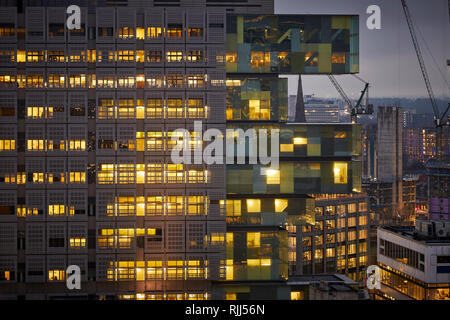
[[409, 232]]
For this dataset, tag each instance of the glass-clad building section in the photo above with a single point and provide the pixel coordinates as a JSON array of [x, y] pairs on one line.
[[307, 44], [260, 98]]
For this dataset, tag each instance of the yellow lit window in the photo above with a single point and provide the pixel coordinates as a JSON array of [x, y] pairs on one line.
[[300, 141], [253, 239], [287, 147], [253, 205], [105, 109], [56, 275], [174, 173], [154, 109], [155, 206], [140, 173], [35, 112], [259, 109], [154, 32], [196, 205], [77, 242], [174, 205], [126, 206], [21, 56], [7, 145], [281, 205], [77, 145], [272, 176], [297, 295], [105, 174], [340, 172], [35, 145], [126, 33], [56, 210], [154, 270], [77, 177], [140, 207], [174, 56], [126, 173], [154, 173], [154, 141], [140, 33]]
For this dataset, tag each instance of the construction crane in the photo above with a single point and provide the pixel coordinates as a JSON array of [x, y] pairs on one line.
[[357, 109], [439, 120]]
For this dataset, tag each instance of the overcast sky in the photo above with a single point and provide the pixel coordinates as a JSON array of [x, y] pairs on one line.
[[387, 57]]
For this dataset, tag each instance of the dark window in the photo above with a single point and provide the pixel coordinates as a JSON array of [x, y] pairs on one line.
[[443, 259]]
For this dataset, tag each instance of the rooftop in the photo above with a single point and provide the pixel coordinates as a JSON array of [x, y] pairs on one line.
[[409, 232]]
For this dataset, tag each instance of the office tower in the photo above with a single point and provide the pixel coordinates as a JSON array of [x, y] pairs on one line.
[[320, 111], [390, 153], [87, 174], [338, 242], [264, 209], [87, 121]]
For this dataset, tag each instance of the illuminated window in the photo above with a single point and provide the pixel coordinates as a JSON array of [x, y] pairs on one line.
[[196, 176], [56, 145], [126, 206], [154, 173], [125, 238], [175, 269], [140, 33], [175, 81], [196, 205], [297, 295], [175, 108], [154, 32], [281, 205], [105, 56], [155, 206], [35, 81], [77, 242], [233, 208], [259, 109], [126, 173], [174, 173], [105, 174], [77, 56], [7, 80], [174, 139], [154, 109], [126, 109], [56, 275], [7, 29], [300, 141], [35, 145], [195, 56], [311, 59], [272, 176], [174, 56], [56, 210], [7, 145], [253, 205], [231, 57], [56, 56], [77, 177], [77, 145], [287, 147], [125, 81], [253, 239], [8, 56], [195, 80], [154, 141], [174, 205], [106, 239], [195, 32], [259, 59], [126, 33], [126, 56], [105, 109], [340, 172], [338, 57], [155, 270], [174, 31], [77, 80], [196, 109], [35, 56]]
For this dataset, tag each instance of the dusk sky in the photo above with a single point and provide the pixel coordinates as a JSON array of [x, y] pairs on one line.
[[387, 57]]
